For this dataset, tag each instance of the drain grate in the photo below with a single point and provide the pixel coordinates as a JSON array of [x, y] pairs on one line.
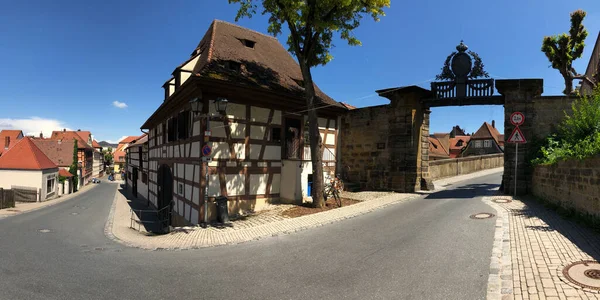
[[585, 274], [593, 273], [480, 216]]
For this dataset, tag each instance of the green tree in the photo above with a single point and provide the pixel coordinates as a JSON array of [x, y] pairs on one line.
[[561, 50], [73, 168], [311, 24], [108, 156]]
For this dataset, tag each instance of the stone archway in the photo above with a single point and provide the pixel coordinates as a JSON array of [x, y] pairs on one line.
[[402, 162]]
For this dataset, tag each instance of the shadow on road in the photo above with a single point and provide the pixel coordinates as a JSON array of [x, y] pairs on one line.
[[466, 191], [148, 217], [581, 235]]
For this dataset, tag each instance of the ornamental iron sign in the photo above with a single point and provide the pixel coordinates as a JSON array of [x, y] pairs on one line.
[[459, 76]]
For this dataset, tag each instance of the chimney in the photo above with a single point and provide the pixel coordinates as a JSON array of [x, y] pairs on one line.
[[78, 129], [494, 123], [64, 130], [41, 135], [6, 142]]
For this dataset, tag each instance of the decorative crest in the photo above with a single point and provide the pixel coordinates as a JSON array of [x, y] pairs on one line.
[[465, 64]]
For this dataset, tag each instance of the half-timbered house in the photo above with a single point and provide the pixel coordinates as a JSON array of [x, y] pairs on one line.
[[259, 146]]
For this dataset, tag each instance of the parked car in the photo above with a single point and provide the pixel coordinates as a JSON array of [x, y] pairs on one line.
[[95, 180]]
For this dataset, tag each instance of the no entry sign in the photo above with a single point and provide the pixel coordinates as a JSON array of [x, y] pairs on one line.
[[517, 118]]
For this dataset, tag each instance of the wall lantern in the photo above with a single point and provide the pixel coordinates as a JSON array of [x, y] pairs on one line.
[[221, 105]]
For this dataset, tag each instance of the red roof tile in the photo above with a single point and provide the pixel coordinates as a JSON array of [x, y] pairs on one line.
[[95, 144], [64, 173], [436, 149], [85, 135], [25, 155], [13, 135], [70, 135], [128, 139], [454, 142]]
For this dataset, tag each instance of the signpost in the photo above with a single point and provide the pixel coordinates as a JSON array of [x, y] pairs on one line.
[[516, 137]]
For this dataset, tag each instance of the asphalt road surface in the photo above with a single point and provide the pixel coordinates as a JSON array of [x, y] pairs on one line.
[[426, 248]]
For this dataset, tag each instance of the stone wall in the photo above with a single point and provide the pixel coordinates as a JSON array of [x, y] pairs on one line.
[[464, 165], [364, 148], [572, 184], [549, 112]]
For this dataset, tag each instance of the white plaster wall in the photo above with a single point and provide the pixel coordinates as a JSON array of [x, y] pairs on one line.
[[217, 129], [184, 76], [276, 184], [189, 66], [21, 178], [259, 114], [46, 174], [258, 184], [257, 132], [171, 88], [276, 117], [238, 130], [235, 184], [255, 151], [272, 153], [234, 110], [330, 139]]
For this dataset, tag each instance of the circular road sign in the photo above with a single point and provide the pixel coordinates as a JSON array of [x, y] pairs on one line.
[[517, 118], [206, 150]]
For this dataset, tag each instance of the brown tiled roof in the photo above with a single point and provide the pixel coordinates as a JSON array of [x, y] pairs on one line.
[[118, 155], [436, 149], [348, 106], [140, 141], [64, 173], [128, 139], [454, 142], [85, 135], [61, 153], [25, 155], [486, 131], [70, 135], [95, 144], [13, 135], [268, 64]]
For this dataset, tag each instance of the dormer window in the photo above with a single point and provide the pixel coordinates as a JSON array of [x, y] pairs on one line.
[[249, 43]]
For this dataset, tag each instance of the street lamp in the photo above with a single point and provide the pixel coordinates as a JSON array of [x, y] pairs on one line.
[[196, 105]]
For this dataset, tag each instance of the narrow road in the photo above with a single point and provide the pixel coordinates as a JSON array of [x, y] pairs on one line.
[[426, 248]]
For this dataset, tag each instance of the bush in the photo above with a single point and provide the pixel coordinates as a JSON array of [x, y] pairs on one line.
[[578, 135]]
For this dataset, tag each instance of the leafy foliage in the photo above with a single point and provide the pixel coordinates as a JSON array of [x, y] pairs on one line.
[[108, 156], [477, 70], [561, 50], [73, 168], [447, 73], [578, 135]]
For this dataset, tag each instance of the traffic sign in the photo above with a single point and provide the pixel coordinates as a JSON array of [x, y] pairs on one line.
[[517, 118], [207, 133], [517, 137], [206, 150]]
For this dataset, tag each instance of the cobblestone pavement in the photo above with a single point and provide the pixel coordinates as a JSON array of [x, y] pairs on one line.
[[542, 243], [24, 207], [264, 225]]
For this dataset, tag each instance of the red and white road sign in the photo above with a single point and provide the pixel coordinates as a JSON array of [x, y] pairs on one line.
[[517, 118], [516, 137]]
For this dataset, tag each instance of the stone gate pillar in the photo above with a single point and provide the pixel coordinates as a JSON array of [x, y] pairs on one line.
[[519, 95], [406, 126]]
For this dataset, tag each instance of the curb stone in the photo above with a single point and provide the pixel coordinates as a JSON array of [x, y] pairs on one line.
[[500, 284]]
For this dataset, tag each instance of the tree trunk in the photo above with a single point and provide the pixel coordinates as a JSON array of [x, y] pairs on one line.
[[314, 136], [568, 84]]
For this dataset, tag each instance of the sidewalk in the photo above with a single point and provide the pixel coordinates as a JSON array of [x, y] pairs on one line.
[[25, 207], [535, 249], [118, 223]]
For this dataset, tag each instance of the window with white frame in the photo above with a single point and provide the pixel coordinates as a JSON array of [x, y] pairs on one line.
[[50, 185], [477, 144], [487, 144]]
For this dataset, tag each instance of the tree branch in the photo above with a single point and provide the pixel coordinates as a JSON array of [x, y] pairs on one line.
[[293, 29]]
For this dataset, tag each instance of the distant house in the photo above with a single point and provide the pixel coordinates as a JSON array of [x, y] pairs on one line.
[[458, 144], [85, 153], [485, 141], [61, 154], [9, 138], [98, 169], [437, 149], [119, 156], [137, 167], [25, 166]]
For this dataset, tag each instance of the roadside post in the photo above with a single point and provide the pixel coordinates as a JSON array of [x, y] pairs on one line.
[[516, 137]]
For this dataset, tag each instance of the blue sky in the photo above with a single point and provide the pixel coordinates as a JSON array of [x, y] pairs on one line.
[[65, 63]]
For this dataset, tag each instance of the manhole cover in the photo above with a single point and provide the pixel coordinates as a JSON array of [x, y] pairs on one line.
[[482, 216], [584, 273], [502, 201], [44, 230]]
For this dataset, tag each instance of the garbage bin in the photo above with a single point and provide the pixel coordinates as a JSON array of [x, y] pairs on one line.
[[309, 187], [222, 210]]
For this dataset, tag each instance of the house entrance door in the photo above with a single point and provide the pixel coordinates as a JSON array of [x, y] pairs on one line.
[[165, 196], [134, 179]]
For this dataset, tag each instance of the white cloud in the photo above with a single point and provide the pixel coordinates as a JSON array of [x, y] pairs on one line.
[[117, 141], [118, 104], [33, 125]]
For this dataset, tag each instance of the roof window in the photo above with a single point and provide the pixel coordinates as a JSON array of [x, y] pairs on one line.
[[248, 43]]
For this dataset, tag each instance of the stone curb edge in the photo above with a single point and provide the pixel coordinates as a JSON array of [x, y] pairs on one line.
[[500, 280], [52, 203], [108, 228]]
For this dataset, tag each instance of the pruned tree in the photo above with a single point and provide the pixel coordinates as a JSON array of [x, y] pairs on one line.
[[74, 166], [563, 49], [108, 156], [311, 24]]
